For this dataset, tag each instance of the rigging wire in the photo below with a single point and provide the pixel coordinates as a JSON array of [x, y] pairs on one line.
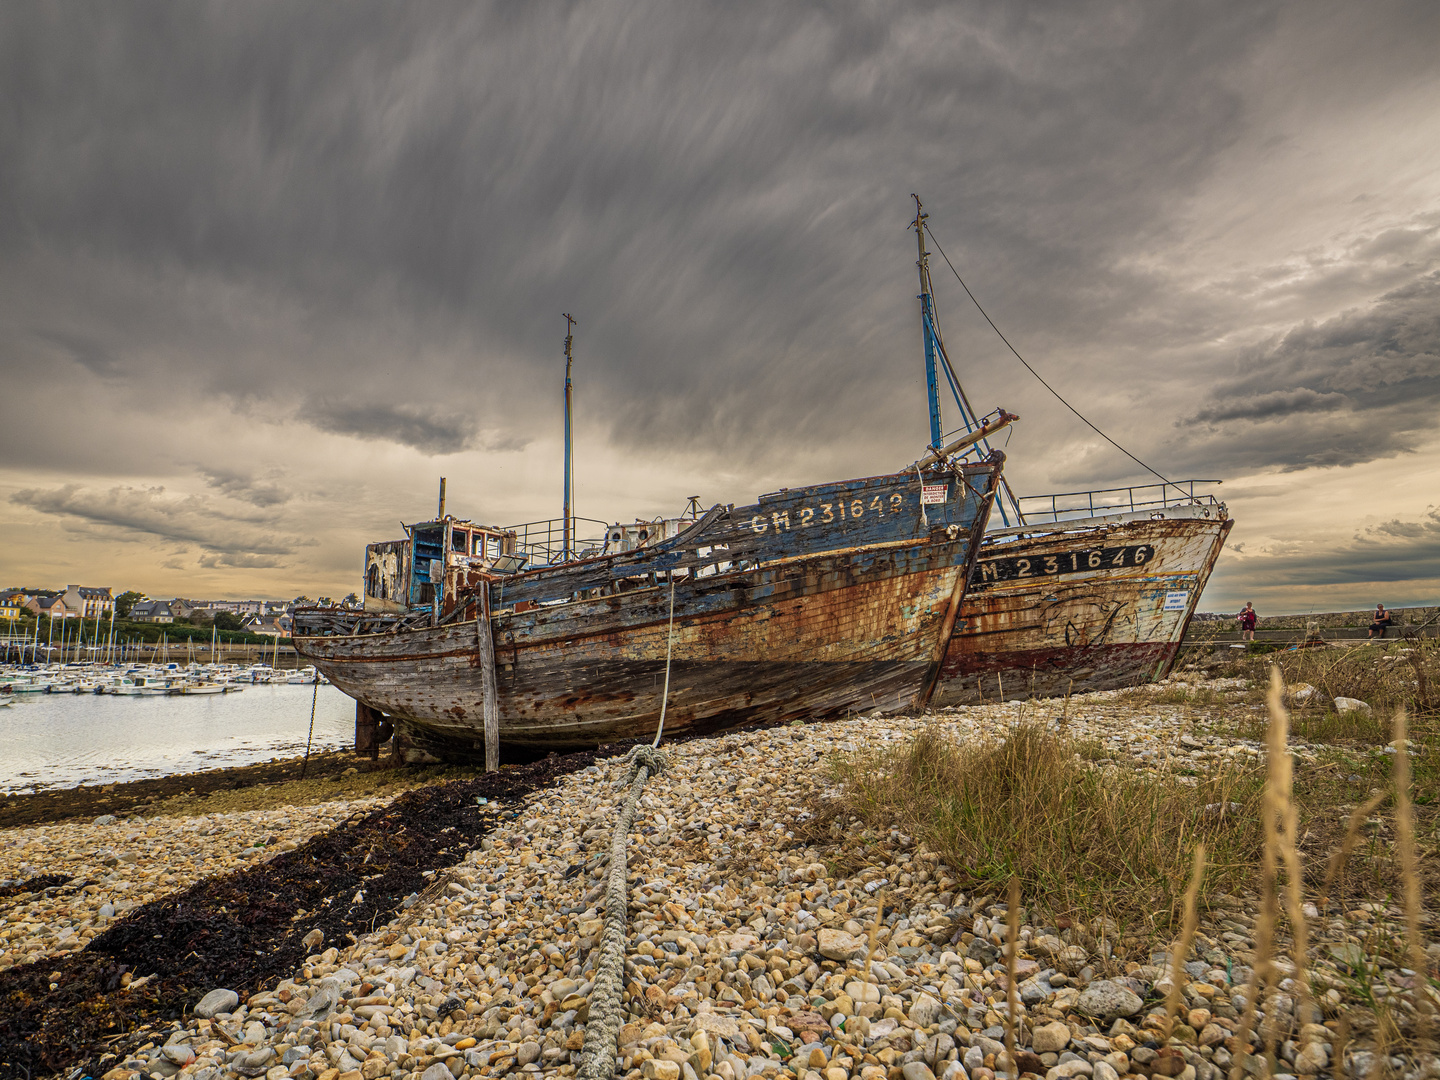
[[1037, 375]]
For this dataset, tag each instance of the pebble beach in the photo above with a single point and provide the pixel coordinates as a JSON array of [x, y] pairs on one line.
[[749, 952]]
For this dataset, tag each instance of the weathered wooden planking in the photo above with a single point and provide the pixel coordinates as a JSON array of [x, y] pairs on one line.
[[1040, 619], [859, 628], [784, 525], [489, 687], [850, 639]]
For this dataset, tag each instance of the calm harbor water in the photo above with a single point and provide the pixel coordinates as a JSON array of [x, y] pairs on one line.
[[62, 740]]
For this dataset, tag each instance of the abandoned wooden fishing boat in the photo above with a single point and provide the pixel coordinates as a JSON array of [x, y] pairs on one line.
[[812, 602], [1061, 605], [1089, 590]]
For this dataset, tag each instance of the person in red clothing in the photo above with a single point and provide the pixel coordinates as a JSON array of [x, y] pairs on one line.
[[1248, 618]]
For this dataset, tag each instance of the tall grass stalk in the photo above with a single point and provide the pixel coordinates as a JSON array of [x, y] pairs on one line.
[[1283, 774], [1409, 873], [1277, 791], [1012, 992], [1187, 936]]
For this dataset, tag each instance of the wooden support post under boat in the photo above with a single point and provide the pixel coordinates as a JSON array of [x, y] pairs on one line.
[[489, 688], [373, 730], [367, 730]]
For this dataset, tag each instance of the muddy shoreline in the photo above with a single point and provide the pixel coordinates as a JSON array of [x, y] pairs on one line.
[[124, 799]]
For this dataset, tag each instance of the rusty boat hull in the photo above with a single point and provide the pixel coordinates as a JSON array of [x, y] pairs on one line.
[[852, 617], [1078, 606]]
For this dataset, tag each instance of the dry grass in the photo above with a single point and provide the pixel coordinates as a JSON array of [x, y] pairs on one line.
[[1388, 674], [1082, 840], [1032, 813]]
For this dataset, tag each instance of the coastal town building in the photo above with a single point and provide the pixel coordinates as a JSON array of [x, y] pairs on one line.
[[153, 611], [89, 602], [52, 607], [11, 605], [267, 625]]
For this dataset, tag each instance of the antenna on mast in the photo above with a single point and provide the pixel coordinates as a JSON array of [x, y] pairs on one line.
[[569, 458]]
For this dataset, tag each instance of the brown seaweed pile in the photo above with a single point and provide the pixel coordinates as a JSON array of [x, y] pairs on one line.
[[245, 929]]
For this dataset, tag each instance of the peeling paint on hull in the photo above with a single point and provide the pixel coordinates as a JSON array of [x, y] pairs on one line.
[[858, 627], [801, 651], [1092, 630]]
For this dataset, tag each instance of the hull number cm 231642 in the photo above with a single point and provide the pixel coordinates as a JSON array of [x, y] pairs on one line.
[[827, 513], [1065, 562]]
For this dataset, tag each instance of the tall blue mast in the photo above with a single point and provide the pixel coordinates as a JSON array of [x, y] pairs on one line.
[[927, 327], [569, 459]]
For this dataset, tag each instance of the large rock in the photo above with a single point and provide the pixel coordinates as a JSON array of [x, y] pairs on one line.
[[1051, 1038], [917, 1070], [1108, 1000], [438, 1071], [217, 1001], [1350, 704], [838, 945], [924, 1012], [717, 1024]]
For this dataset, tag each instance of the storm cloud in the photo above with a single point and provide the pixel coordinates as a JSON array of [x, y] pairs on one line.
[[267, 269], [153, 513]]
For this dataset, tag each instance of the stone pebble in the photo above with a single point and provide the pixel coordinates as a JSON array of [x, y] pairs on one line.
[[747, 955]]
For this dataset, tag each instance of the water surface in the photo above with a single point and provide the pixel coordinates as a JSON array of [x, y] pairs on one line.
[[61, 740]]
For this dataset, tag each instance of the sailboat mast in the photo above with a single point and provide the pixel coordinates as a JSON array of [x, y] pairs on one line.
[[927, 328], [569, 460]]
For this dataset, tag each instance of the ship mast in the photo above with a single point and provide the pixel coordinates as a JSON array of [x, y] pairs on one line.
[[569, 459], [927, 328]]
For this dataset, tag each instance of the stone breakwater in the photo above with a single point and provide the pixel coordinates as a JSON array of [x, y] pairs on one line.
[[747, 954]]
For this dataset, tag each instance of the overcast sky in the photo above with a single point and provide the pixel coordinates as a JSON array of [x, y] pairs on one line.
[[269, 270]]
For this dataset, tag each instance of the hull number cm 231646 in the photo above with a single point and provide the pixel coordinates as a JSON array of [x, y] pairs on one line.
[[1065, 562]]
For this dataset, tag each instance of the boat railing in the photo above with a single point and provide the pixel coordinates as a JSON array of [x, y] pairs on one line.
[[543, 542], [1069, 505]]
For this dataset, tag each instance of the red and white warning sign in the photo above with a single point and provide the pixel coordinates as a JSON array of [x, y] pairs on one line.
[[933, 493]]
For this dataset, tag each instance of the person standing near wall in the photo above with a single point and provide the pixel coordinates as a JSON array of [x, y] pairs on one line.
[[1248, 618]]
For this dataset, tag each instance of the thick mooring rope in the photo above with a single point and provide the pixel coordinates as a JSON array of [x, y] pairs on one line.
[[602, 1030]]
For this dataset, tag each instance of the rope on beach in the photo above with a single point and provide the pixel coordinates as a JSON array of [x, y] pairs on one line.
[[602, 1030]]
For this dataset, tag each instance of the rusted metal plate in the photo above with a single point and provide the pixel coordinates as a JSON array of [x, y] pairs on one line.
[[1088, 606], [812, 602]]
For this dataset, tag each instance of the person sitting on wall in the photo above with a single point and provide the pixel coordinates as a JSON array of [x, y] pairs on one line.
[[1379, 621], [1247, 619]]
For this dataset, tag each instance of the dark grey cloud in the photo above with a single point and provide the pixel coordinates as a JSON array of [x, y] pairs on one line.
[[1362, 385], [245, 487], [151, 512], [424, 429], [1276, 403], [719, 194]]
